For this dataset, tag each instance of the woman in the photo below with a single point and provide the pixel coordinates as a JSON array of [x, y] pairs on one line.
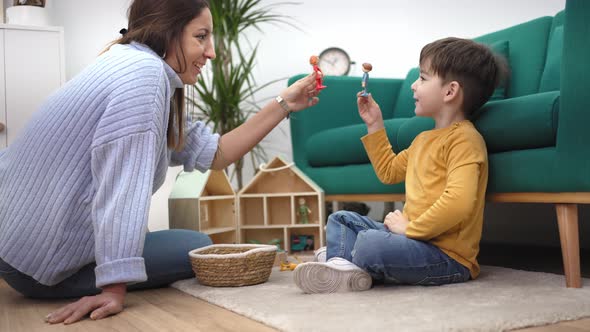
[[75, 187]]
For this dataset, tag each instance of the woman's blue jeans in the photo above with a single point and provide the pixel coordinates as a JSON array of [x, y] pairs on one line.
[[166, 260], [389, 257]]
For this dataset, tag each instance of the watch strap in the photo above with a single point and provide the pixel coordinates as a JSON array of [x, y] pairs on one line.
[[284, 105]]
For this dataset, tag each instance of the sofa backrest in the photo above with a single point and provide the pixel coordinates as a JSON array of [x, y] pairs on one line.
[[404, 105], [527, 48], [533, 51], [551, 78]]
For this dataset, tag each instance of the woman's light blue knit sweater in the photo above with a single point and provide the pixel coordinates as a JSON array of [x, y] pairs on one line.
[[75, 186]]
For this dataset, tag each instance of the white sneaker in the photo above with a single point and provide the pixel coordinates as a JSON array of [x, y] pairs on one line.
[[320, 255], [336, 275]]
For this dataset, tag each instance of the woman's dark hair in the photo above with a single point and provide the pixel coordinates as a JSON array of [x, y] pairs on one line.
[[159, 24]]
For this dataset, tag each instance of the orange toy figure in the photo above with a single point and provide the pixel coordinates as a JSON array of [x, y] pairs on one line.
[[314, 60]]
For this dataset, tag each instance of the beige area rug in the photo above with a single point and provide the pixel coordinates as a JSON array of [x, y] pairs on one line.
[[501, 299]]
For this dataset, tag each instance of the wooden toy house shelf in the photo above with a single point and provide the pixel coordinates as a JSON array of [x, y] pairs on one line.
[[204, 202], [269, 208]]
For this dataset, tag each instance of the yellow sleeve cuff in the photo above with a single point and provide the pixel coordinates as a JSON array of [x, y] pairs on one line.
[[376, 142]]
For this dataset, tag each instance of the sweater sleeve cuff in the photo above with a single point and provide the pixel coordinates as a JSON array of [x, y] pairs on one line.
[[374, 142], [128, 270], [205, 160]]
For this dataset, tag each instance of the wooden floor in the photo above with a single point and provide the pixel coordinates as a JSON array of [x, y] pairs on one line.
[[168, 309], [165, 309]]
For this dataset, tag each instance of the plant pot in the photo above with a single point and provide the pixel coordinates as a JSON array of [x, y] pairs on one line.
[[27, 15]]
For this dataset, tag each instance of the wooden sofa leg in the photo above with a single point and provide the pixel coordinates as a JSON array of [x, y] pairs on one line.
[[335, 206], [567, 220]]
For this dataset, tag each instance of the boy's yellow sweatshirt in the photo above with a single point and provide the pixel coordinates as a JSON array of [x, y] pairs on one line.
[[446, 174]]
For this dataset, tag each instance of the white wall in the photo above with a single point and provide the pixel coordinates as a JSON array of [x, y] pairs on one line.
[[387, 33], [88, 26]]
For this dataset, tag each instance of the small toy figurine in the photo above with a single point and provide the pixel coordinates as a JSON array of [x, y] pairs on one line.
[[366, 69], [314, 60], [290, 266], [301, 242], [303, 212], [309, 244]]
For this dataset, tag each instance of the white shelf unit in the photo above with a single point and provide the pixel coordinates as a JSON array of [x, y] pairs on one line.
[[32, 66]]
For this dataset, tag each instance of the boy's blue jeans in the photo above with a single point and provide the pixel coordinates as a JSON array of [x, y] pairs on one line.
[[166, 260], [389, 257]]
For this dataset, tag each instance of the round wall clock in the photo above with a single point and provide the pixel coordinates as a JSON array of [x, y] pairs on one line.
[[334, 61]]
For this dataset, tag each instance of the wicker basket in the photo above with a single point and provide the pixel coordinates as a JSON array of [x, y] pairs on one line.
[[233, 264]]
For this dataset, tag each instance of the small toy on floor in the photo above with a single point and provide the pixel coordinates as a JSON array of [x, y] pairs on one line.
[[290, 266]]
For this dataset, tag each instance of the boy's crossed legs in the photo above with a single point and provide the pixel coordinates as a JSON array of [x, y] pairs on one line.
[[360, 250]]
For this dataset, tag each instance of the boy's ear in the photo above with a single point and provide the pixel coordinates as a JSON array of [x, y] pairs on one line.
[[452, 91]]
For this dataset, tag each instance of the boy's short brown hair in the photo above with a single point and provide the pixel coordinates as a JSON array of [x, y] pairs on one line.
[[473, 65]]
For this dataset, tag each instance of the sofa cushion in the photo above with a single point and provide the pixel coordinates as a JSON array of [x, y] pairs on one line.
[[501, 48], [343, 146], [526, 122], [550, 81], [350, 179], [411, 129]]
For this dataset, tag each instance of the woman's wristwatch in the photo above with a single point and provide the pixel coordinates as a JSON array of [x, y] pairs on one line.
[[284, 105]]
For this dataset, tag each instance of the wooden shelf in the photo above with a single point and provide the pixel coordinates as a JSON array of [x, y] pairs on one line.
[[279, 194], [204, 202], [217, 198], [304, 226], [263, 227], [219, 230]]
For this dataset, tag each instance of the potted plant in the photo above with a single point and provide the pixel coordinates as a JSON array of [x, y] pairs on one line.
[[224, 94], [27, 12]]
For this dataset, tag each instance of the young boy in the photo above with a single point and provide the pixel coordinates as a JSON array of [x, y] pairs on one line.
[[435, 240]]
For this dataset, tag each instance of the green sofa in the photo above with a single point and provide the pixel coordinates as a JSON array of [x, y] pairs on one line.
[[535, 128]]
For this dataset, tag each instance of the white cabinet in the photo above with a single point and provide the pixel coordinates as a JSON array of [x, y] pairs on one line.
[[32, 67]]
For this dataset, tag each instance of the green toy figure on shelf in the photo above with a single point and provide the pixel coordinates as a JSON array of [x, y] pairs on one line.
[[367, 67], [303, 212]]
